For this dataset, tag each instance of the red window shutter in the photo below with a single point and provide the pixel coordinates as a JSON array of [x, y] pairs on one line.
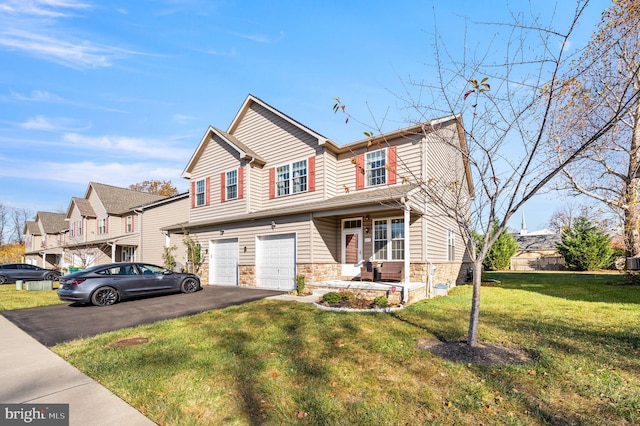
[[207, 191], [107, 225], [272, 183], [360, 171], [133, 223], [241, 182], [312, 174], [222, 187], [193, 193], [393, 164]]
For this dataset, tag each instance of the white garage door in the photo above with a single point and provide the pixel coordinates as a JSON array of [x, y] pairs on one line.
[[223, 262], [276, 262]]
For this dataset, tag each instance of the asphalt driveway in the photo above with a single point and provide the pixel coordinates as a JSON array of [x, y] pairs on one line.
[[51, 325]]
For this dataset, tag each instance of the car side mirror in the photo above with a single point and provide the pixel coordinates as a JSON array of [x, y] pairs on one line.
[[167, 272]]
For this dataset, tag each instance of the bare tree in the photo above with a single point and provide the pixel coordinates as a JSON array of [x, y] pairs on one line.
[[566, 214], [4, 219], [607, 78], [505, 109], [19, 217]]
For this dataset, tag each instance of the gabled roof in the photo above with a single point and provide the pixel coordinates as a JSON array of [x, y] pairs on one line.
[[243, 151], [118, 201], [83, 205], [52, 223], [253, 99], [31, 228], [538, 242]]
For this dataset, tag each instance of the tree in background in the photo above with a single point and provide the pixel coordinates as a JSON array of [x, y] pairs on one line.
[[566, 214], [585, 247], [499, 256], [158, 187], [607, 77]]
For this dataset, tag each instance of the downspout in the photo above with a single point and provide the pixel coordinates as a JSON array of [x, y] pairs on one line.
[[407, 253], [431, 269], [140, 212]]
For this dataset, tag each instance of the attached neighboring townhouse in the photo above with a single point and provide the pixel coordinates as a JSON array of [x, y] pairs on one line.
[[271, 199], [105, 225], [44, 238]]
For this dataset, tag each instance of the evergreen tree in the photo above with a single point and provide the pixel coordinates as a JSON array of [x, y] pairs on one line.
[[585, 247], [501, 252]]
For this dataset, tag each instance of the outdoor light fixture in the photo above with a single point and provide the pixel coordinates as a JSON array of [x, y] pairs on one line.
[[273, 224]]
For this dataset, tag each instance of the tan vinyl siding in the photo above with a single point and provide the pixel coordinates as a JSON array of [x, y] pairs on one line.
[[279, 142], [326, 174], [218, 157], [153, 219], [254, 187], [325, 240]]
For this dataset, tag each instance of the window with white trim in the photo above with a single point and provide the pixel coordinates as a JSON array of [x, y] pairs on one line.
[[200, 196], [291, 178], [231, 183], [102, 225], [79, 227], [451, 245], [388, 239], [129, 224], [375, 169]]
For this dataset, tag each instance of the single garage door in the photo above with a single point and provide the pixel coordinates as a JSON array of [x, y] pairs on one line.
[[276, 262], [223, 262]]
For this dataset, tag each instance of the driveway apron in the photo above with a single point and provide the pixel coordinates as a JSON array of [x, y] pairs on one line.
[[51, 325]]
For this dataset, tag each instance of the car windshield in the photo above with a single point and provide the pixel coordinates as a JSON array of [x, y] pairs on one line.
[[151, 269]]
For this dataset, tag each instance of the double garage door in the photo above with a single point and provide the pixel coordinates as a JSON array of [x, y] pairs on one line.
[[275, 262]]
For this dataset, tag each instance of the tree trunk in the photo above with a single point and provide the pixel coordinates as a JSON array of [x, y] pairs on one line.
[[472, 338], [632, 212]]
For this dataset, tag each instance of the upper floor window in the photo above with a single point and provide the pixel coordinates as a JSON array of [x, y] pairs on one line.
[[232, 184], [200, 194], [388, 239], [375, 167], [79, 227], [129, 224], [102, 225], [451, 245], [291, 178]]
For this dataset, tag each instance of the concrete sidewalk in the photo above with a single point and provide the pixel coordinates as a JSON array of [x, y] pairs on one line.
[[31, 373]]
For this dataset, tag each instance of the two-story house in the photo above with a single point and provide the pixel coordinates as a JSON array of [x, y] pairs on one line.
[[271, 199], [105, 225], [44, 237]]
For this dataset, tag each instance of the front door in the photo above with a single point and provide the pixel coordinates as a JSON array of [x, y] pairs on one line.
[[351, 247]]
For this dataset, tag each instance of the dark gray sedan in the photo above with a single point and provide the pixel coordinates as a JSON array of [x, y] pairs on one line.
[[105, 285], [11, 272]]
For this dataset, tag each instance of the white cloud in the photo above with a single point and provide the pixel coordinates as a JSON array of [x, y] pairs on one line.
[[51, 124], [126, 146], [182, 119]]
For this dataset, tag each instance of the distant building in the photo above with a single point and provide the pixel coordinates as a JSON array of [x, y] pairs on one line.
[[537, 250]]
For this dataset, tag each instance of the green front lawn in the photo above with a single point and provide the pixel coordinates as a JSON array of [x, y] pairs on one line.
[[273, 362], [11, 299]]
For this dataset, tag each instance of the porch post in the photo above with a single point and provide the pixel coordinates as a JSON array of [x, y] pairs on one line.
[[113, 252], [407, 254], [44, 259]]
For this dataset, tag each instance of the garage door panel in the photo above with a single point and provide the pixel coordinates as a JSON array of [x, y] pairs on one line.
[[223, 262], [276, 262]]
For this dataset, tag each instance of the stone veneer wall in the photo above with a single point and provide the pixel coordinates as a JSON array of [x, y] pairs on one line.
[[247, 275], [203, 273], [317, 272]]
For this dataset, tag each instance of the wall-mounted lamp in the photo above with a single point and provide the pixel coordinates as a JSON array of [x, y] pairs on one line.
[[273, 224], [222, 232], [366, 230], [366, 218]]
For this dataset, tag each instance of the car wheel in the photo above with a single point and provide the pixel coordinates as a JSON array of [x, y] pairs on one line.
[[3, 279], [190, 285], [104, 296], [51, 277]]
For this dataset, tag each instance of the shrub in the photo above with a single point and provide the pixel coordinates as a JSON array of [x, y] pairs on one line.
[[300, 285], [331, 297], [381, 301], [347, 296]]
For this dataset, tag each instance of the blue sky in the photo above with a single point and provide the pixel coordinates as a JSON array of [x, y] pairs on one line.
[[119, 91]]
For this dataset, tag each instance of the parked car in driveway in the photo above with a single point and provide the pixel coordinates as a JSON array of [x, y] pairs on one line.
[[107, 284], [11, 272]]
